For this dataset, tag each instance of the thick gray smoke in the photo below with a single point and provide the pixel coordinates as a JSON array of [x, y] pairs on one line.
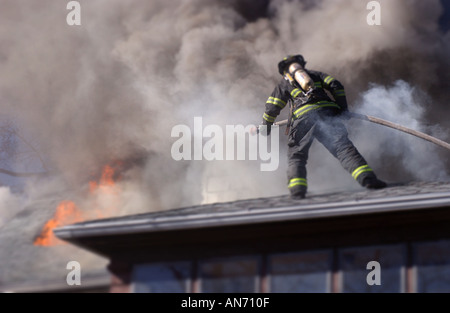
[[403, 155], [113, 88]]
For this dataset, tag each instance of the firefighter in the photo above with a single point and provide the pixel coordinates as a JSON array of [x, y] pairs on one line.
[[318, 108]]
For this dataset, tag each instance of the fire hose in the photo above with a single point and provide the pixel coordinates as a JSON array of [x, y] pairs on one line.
[[383, 122]]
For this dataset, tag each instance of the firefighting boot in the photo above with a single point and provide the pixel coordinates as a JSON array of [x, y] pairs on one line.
[[298, 196], [373, 183], [298, 193]]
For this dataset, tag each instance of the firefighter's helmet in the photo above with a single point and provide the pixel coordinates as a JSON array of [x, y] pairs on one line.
[[284, 64]]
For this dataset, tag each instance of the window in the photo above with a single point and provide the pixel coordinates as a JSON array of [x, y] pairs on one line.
[[427, 265], [353, 264], [433, 266], [301, 272], [161, 277], [229, 275]]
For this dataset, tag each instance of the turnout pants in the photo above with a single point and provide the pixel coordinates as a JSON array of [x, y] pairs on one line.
[[332, 133]]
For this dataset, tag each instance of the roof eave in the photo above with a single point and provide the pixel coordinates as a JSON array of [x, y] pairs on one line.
[[253, 216]]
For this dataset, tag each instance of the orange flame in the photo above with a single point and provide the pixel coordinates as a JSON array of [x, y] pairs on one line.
[[68, 213], [106, 183], [105, 191]]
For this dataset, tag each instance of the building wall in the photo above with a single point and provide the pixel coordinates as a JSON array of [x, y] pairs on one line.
[[321, 255], [407, 267]]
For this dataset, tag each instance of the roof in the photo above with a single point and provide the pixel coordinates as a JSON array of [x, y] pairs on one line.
[[29, 268], [397, 197]]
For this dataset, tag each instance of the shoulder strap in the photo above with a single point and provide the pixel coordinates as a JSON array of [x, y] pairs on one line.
[[291, 113]]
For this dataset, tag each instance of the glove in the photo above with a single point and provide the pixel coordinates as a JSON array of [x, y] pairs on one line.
[[265, 128]]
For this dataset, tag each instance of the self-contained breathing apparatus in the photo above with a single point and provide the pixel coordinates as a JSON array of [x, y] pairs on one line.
[[292, 68]]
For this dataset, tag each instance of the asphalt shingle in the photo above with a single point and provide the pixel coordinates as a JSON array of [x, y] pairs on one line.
[[247, 205]]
